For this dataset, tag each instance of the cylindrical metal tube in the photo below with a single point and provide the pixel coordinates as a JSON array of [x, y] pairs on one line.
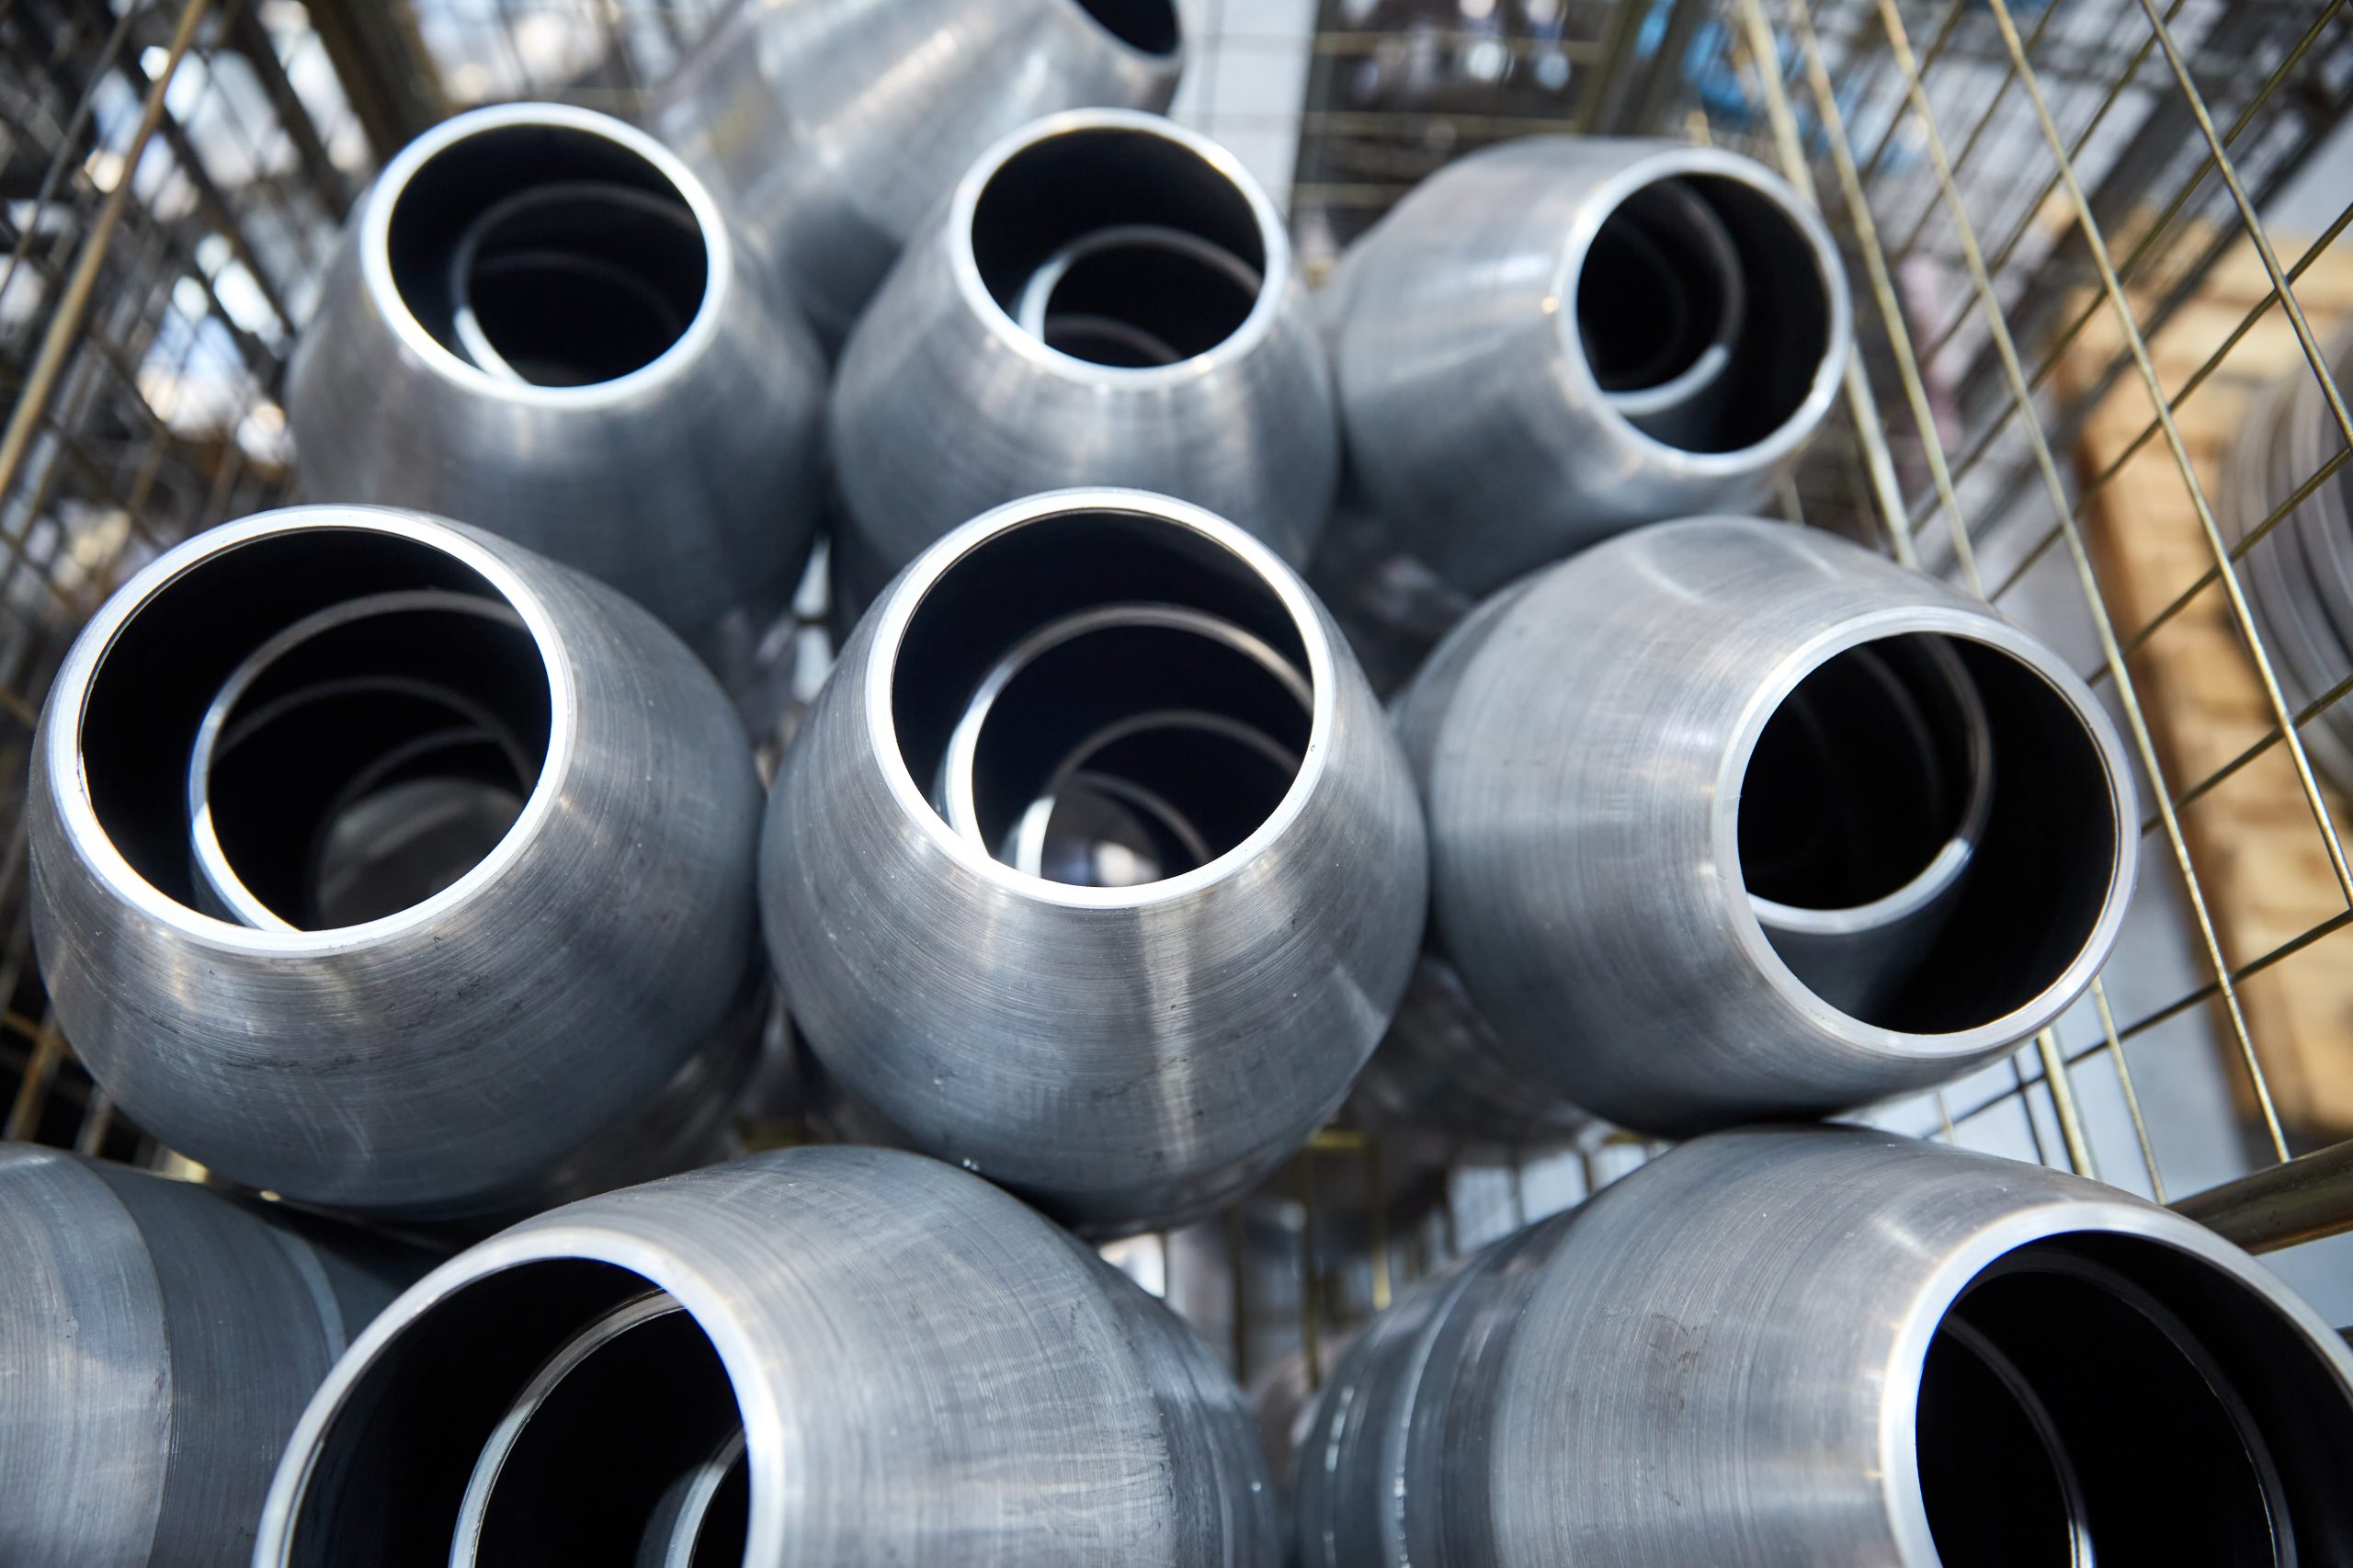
[[1837, 1346], [832, 130], [1557, 338], [921, 1370], [157, 1344], [1141, 1043], [541, 322], [441, 979], [1701, 855], [1106, 298]]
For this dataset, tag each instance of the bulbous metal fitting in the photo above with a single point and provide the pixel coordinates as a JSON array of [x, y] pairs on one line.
[[1106, 298], [832, 129], [1552, 340], [1831, 1345], [158, 1344], [1733, 820], [379, 863], [541, 322], [1225, 866], [818, 1354]]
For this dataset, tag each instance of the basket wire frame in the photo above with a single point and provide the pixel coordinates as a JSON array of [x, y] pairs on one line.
[[2004, 179]]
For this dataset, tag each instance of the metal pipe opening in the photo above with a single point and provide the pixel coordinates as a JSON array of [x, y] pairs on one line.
[[1119, 245], [548, 254], [2097, 1399], [558, 1412], [1148, 25], [1101, 699], [314, 730], [1702, 311], [1907, 800]]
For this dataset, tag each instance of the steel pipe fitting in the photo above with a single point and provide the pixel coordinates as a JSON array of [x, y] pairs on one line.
[[1140, 702], [1440, 1080], [1733, 820], [1552, 340], [541, 323], [819, 1354], [383, 863], [1831, 1344], [158, 1344], [1106, 298], [832, 129]]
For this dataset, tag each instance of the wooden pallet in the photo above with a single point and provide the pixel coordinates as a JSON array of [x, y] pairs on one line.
[[2260, 856]]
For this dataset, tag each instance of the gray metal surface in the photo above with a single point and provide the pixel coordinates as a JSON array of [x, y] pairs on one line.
[[664, 436], [158, 1344], [981, 372], [924, 1371], [1488, 336], [571, 1011], [1121, 1055], [834, 127], [1607, 783], [1754, 1350]]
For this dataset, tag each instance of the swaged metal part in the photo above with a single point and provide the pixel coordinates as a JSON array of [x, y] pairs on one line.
[[541, 322], [1123, 1055], [1639, 764], [1106, 298], [158, 1344], [923, 1371], [1829, 1345], [1556, 339], [564, 1007], [833, 127]]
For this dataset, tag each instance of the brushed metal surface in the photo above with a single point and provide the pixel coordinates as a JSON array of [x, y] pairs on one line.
[[979, 375], [1596, 755], [1743, 1354], [1121, 1056], [572, 1009], [158, 1344], [926, 1372], [689, 480], [833, 127], [1480, 384]]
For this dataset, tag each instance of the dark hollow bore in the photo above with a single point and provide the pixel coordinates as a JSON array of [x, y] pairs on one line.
[[576, 259], [1107, 711], [363, 765], [1147, 24], [1649, 301], [584, 1479], [1853, 786], [2104, 1399], [1162, 253]]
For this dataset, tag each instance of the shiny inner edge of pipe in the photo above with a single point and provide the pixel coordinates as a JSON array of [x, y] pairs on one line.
[[2101, 1398], [306, 810], [548, 254], [554, 1407], [1845, 798], [1702, 312], [1149, 25], [1102, 698], [1120, 246]]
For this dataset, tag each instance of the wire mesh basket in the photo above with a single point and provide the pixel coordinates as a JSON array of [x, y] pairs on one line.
[[2081, 232]]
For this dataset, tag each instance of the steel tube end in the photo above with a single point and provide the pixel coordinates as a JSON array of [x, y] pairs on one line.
[[1124, 690], [1704, 850], [1106, 298], [383, 863]]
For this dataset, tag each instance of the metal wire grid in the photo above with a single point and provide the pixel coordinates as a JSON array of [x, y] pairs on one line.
[[173, 175]]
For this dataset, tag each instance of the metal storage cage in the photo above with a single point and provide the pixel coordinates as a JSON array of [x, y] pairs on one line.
[[2050, 212]]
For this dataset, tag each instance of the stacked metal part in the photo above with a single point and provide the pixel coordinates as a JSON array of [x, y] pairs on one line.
[[1835, 1346], [379, 863], [2298, 577], [830, 1355]]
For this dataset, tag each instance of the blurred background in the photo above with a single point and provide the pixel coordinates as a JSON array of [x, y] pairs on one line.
[[2069, 226]]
